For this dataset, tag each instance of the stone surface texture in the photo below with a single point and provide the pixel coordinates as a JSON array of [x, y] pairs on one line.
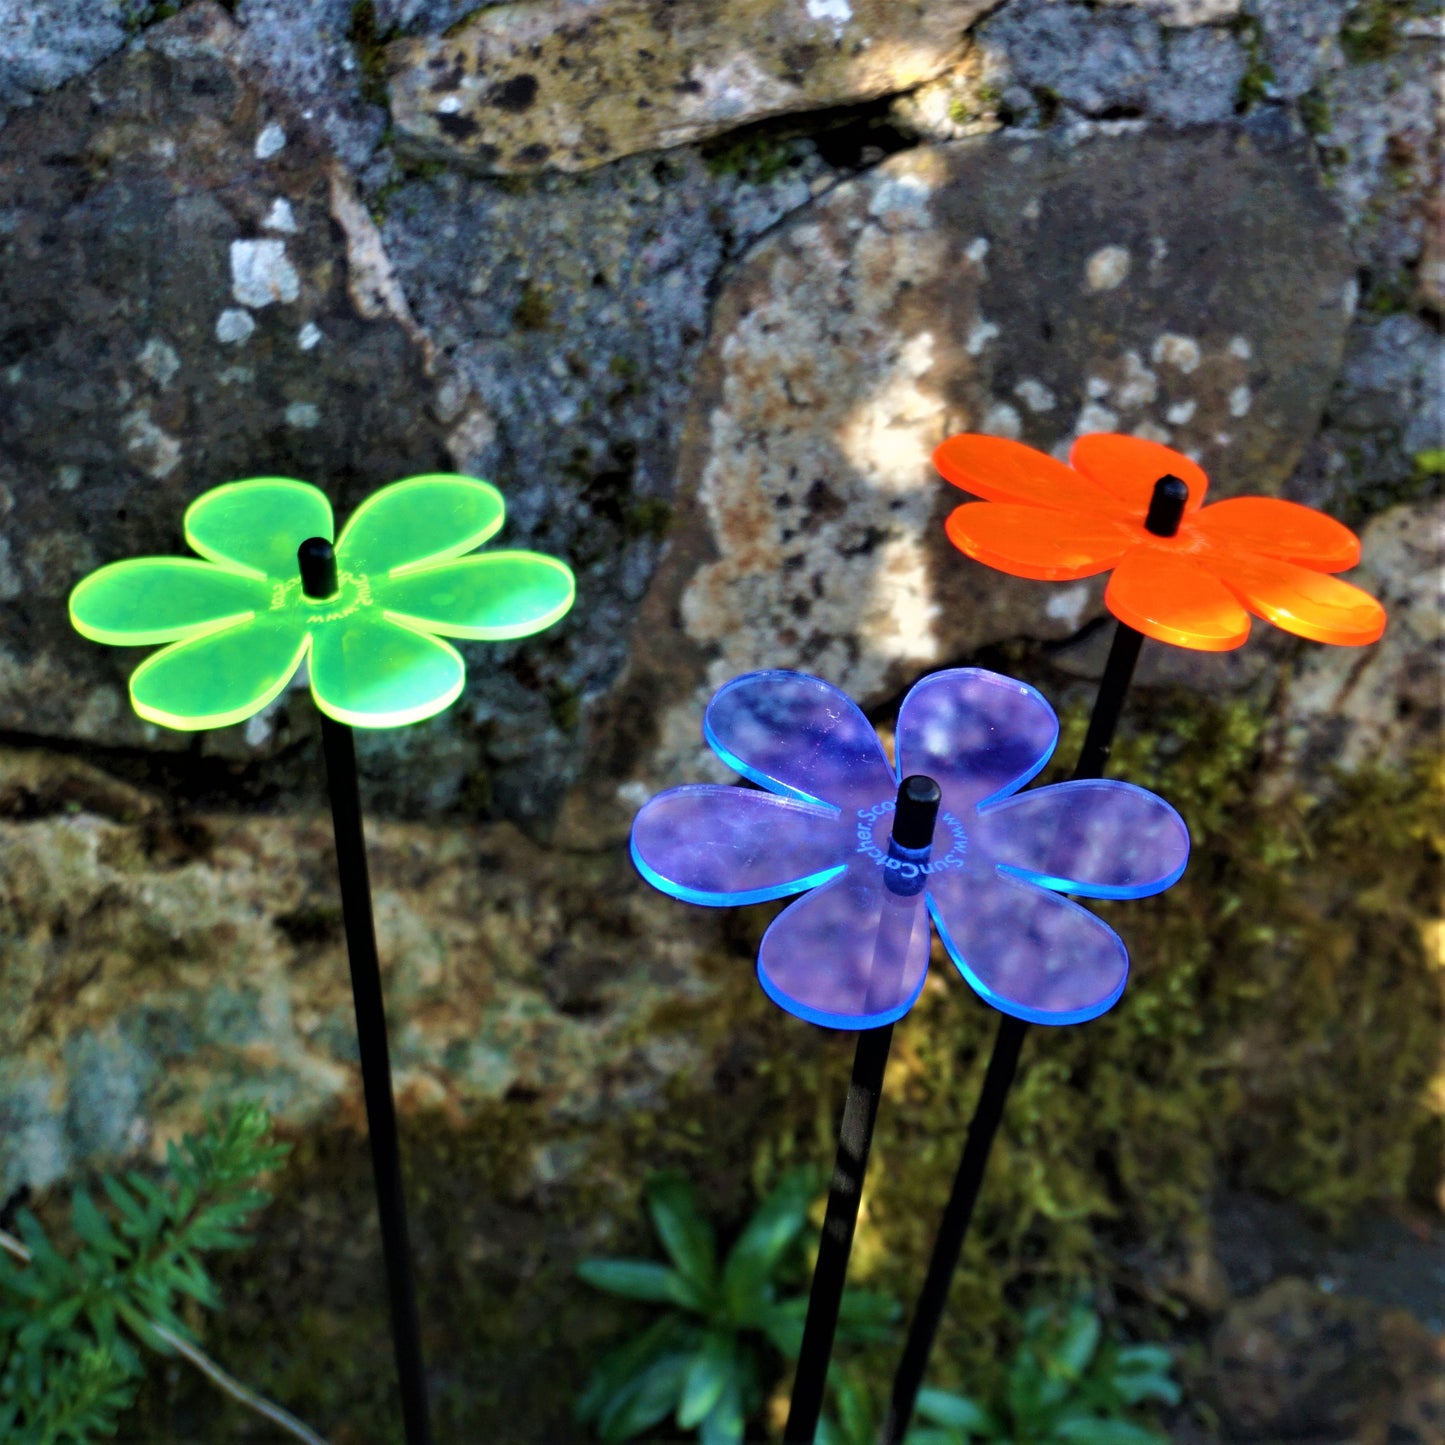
[[1116, 63], [152, 974], [1031, 289], [571, 314], [1295, 1363], [43, 43], [157, 308], [572, 86], [700, 286], [1348, 707], [304, 51]]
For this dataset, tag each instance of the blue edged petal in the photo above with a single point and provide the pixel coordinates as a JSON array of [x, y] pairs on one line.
[[851, 955], [979, 735], [1027, 952], [722, 846], [1096, 837], [800, 737]]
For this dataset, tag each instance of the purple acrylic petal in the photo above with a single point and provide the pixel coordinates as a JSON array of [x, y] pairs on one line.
[[979, 735], [1097, 837], [851, 955], [724, 846], [1028, 952], [798, 736]]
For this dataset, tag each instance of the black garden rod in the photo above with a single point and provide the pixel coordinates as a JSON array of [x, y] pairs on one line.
[[915, 815], [318, 579], [1166, 511]]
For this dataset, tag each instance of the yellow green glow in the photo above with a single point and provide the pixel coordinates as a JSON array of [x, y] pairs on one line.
[[238, 624]]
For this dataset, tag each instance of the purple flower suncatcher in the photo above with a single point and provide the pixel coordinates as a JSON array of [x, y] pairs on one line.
[[852, 953]]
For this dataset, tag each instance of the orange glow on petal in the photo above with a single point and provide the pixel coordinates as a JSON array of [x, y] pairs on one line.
[[1280, 529], [999, 470], [1167, 595], [1128, 467], [1309, 604], [1032, 542]]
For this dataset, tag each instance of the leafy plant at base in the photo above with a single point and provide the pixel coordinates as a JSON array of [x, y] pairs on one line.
[[70, 1323], [1067, 1384], [854, 1421], [706, 1360]]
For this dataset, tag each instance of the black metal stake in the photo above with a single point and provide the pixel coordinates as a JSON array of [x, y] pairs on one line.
[[318, 579], [1166, 511], [913, 822]]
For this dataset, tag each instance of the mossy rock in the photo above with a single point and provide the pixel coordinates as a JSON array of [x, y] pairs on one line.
[[1278, 1035]]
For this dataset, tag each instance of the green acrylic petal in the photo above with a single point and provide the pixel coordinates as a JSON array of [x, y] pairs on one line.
[[162, 599], [222, 677], [257, 525], [373, 674], [490, 597], [420, 520]]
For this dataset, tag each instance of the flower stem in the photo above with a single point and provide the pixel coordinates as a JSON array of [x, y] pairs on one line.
[[855, 1139], [317, 560], [915, 816], [340, 748], [953, 1227], [1166, 510]]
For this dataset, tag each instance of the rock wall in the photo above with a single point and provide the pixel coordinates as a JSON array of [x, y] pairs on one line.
[[699, 287]]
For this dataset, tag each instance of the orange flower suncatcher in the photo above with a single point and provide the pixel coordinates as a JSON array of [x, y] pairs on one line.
[[1056, 522]]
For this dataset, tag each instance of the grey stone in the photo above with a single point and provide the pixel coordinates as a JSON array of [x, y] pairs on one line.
[[44, 43], [1184, 13], [1387, 409], [1117, 63], [423, 17], [1185, 286], [1203, 69], [304, 48], [34, 1149], [1097, 62], [572, 311], [106, 1079], [573, 84], [130, 385], [1378, 126], [220, 973], [1348, 707], [1301, 41]]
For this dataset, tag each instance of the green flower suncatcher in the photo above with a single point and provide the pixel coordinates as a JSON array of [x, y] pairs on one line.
[[267, 591], [239, 624]]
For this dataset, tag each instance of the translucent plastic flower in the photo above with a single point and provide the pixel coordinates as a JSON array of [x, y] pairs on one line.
[[853, 953], [1054, 522], [240, 625]]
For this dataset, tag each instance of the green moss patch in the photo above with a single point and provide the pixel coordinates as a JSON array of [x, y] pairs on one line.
[[1278, 1035]]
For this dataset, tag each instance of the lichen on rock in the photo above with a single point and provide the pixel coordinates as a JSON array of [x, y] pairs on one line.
[[1033, 289], [536, 85]]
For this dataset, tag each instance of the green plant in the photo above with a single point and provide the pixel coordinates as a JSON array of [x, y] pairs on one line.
[[1067, 1385], [706, 1360], [854, 1423], [1369, 32], [70, 1321]]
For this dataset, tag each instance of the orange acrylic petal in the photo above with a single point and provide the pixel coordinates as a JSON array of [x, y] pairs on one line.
[[1000, 470], [1128, 467], [1299, 600], [1280, 529], [1163, 593], [1032, 542]]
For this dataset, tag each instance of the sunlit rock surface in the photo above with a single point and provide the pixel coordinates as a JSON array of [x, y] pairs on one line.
[[1111, 281], [576, 84], [1350, 707]]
